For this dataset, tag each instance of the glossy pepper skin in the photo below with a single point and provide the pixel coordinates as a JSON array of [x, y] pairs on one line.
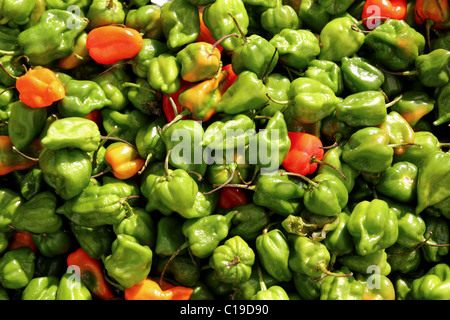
[[414, 105], [38, 214], [432, 182], [281, 193], [233, 260], [249, 221], [368, 150], [248, 92], [328, 73], [91, 273], [169, 235], [67, 170], [139, 224], [339, 241], [218, 21], [442, 106], [368, 263], [11, 161], [272, 293], [151, 48], [51, 38], [360, 75], [373, 226], [25, 124], [277, 86], [290, 42], [17, 268], [340, 28], [95, 206], [10, 201], [402, 135], [313, 15], [53, 244], [273, 252], [124, 160], [148, 140], [95, 241], [254, 54], [164, 73], [123, 124], [438, 232], [387, 41], [214, 228], [81, 98], [304, 110], [362, 109], [180, 23], [109, 44], [69, 289], [147, 20], [72, 132], [396, 9], [399, 182], [341, 288], [41, 288], [135, 268], [433, 285], [432, 68], [273, 20], [110, 81]]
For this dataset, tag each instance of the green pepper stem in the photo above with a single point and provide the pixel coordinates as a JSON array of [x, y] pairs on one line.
[[24, 155], [124, 84], [238, 27], [396, 145], [233, 171], [237, 185], [117, 139], [355, 28], [285, 102], [177, 118], [108, 169], [6, 72], [270, 63], [443, 144], [314, 159], [6, 89], [166, 162], [327, 272], [10, 53], [315, 184], [221, 39], [402, 73], [147, 160], [199, 176], [262, 284], [390, 104], [173, 256]]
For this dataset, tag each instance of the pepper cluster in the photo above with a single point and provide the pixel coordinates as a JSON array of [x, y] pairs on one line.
[[224, 149]]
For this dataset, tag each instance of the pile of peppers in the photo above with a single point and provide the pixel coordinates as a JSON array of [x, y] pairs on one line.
[[352, 98]]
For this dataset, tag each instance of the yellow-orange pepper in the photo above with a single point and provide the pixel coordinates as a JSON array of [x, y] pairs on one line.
[[151, 290], [124, 160]]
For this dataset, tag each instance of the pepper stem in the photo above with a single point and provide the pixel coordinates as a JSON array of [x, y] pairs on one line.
[[24, 155], [396, 145], [314, 159], [6, 89], [262, 284], [125, 84], [233, 171], [402, 73], [285, 102], [6, 72], [238, 27], [327, 272], [315, 184], [10, 53], [177, 118], [166, 162], [390, 104], [173, 256], [147, 160], [237, 185], [270, 63], [221, 39]]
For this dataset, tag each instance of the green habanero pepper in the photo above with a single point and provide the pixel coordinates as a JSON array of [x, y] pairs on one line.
[[147, 20], [139, 224], [432, 68], [132, 270], [96, 241], [17, 268], [72, 132], [204, 234], [81, 98], [249, 221], [25, 124], [38, 215], [433, 180], [41, 288], [341, 288], [247, 93], [273, 253], [180, 23], [183, 269], [328, 73], [219, 22], [111, 83], [414, 105], [402, 259], [103, 13], [313, 15], [399, 182], [373, 226], [277, 87], [370, 263], [71, 287], [433, 285], [335, 7], [151, 48], [368, 150], [32, 183], [442, 103], [169, 235], [339, 241], [339, 40], [360, 75], [52, 244], [396, 45], [437, 232], [10, 201], [280, 193], [164, 73], [296, 47], [149, 142], [233, 260], [123, 124], [16, 12], [273, 20], [52, 37], [66, 170]]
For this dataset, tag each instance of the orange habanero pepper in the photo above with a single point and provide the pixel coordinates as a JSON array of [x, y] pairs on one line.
[[124, 160]]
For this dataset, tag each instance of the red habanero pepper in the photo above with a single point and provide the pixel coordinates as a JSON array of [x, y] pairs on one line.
[[91, 273], [39, 88], [21, 239], [124, 160], [433, 13], [393, 9], [205, 34], [231, 75], [109, 44], [232, 197], [305, 153], [96, 116], [11, 160]]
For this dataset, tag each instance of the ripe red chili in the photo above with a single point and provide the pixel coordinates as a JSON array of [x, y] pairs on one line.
[[393, 9], [305, 148], [109, 44], [232, 197], [433, 12]]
